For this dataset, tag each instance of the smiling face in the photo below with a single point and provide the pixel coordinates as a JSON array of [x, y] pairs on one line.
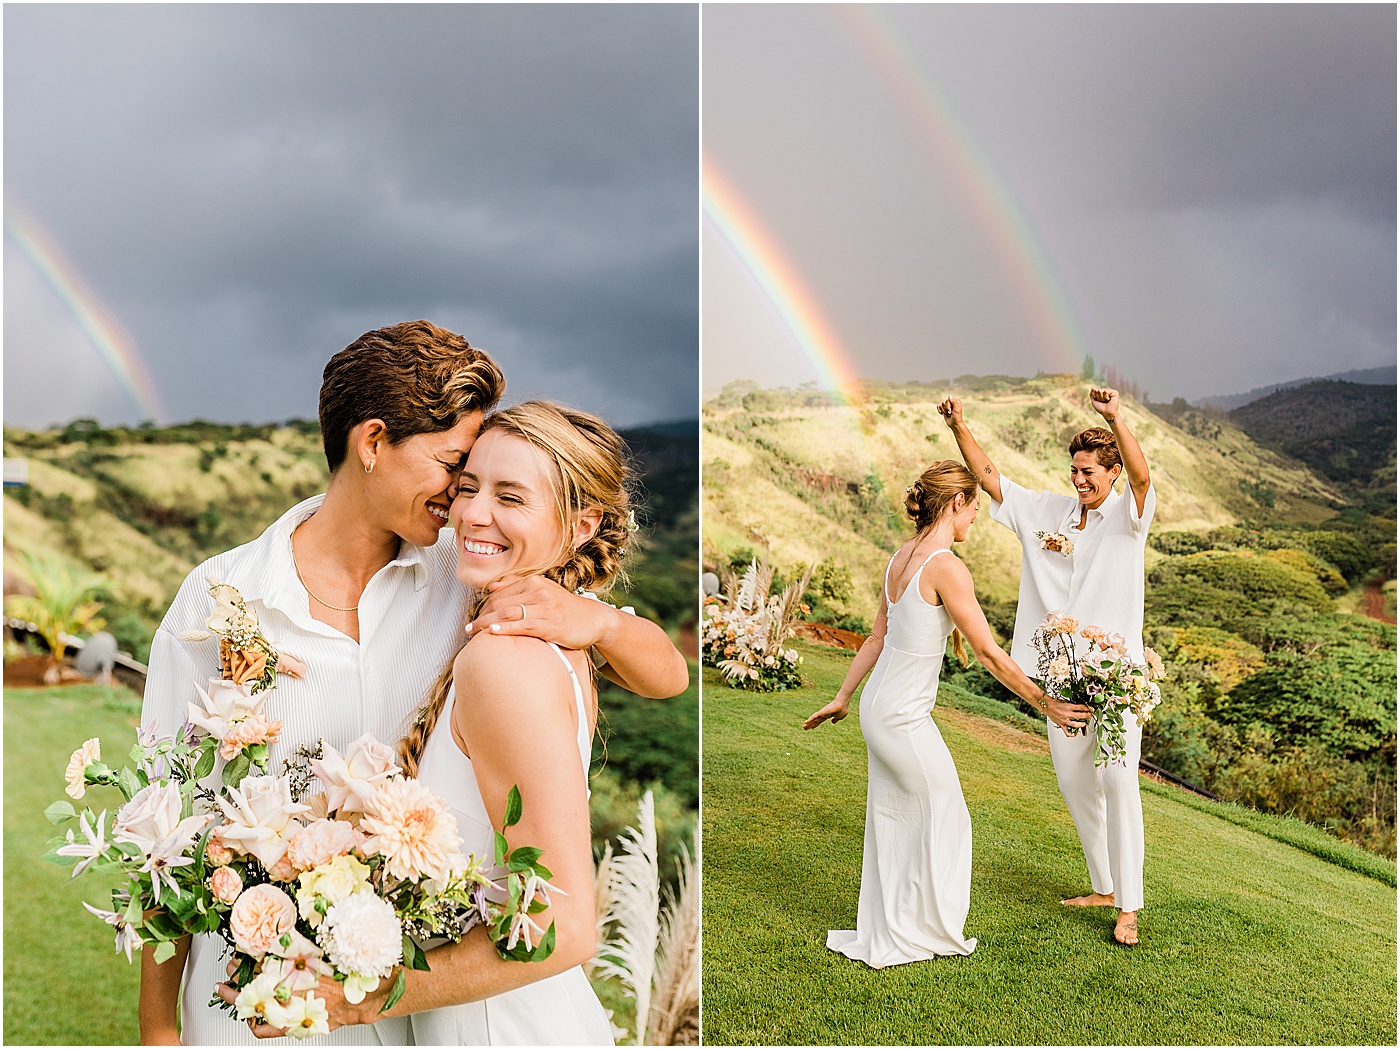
[[1091, 481], [416, 479], [506, 512]]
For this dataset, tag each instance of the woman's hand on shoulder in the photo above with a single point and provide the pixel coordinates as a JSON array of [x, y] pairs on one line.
[[539, 607]]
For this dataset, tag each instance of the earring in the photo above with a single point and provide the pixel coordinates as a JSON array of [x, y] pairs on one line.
[[370, 468]]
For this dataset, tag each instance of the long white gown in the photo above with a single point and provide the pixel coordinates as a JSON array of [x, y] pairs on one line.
[[916, 873], [559, 1010]]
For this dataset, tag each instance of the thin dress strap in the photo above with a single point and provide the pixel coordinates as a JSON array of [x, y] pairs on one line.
[[585, 738], [941, 550], [887, 578], [914, 579]]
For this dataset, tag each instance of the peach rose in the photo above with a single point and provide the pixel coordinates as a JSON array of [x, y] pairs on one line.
[[216, 852], [260, 915], [225, 884], [282, 870]]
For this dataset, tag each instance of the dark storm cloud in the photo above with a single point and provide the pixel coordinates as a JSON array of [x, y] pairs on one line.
[[1213, 184], [250, 187]]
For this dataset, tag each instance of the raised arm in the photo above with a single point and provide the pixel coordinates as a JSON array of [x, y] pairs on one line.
[[1105, 402], [977, 461], [947, 579], [640, 657], [864, 662]]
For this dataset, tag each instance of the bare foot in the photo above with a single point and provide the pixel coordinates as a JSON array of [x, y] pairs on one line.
[[1126, 931], [1094, 899]]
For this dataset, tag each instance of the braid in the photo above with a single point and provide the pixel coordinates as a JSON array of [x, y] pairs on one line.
[[591, 473]]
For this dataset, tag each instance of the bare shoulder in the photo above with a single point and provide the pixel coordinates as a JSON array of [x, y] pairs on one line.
[[943, 574], [516, 673]]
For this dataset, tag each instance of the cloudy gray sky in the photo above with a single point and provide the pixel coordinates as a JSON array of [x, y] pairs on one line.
[[1212, 188], [246, 189]]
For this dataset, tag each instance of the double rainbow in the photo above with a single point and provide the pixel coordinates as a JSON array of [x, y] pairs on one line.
[[1005, 221]]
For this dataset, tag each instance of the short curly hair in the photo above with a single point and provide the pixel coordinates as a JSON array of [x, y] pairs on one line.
[[1099, 441], [415, 377]]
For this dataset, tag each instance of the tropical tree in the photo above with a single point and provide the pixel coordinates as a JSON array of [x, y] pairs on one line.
[[62, 603]]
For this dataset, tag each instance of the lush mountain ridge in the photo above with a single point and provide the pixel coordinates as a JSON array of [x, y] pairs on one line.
[[812, 479]]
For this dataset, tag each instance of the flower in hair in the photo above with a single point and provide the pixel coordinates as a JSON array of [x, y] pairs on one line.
[[909, 488], [632, 525]]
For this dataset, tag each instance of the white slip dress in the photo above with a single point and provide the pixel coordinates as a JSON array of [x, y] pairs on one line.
[[916, 872], [558, 1010]]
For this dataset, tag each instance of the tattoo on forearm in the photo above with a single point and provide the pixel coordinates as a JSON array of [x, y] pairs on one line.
[[987, 469]]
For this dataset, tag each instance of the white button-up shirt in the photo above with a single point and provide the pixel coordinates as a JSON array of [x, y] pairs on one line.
[[1099, 583], [411, 619]]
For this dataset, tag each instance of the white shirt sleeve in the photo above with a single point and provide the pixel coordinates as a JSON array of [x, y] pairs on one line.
[[1139, 523], [1019, 509], [176, 666]]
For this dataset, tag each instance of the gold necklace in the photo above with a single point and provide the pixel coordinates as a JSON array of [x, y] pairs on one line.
[[297, 569]]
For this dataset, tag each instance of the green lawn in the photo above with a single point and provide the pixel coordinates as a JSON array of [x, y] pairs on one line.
[[64, 984], [1246, 938]]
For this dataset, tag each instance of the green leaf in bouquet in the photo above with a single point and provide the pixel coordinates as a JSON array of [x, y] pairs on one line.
[[524, 858], [128, 783], [395, 992], [514, 807], [513, 889], [235, 770], [544, 872], [200, 846], [163, 925], [502, 848], [413, 956], [133, 915], [545, 947], [244, 973], [52, 856], [205, 764], [61, 812], [164, 951]]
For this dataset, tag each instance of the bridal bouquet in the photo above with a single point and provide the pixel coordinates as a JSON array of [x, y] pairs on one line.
[[342, 883], [1104, 678]]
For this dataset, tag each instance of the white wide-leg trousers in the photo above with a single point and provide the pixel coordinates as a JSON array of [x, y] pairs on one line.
[[1107, 810]]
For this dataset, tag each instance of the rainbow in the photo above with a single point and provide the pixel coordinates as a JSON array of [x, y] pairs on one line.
[[779, 284], [102, 331], [1005, 221]]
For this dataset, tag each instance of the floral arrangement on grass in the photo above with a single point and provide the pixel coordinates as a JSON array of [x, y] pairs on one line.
[[342, 882], [744, 633], [1104, 678]]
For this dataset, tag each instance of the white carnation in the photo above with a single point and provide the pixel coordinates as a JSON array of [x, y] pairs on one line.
[[361, 934]]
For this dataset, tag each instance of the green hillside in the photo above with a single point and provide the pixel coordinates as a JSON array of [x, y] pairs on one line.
[[1246, 939], [1343, 430], [145, 505], [1280, 696], [812, 480]]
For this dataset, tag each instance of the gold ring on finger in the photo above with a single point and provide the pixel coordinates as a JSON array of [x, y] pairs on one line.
[[524, 612]]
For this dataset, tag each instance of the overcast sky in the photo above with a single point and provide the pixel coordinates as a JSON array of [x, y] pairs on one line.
[[247, 189], [1214, 186]]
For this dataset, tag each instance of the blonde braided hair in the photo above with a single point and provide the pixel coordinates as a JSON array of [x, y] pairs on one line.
[[591, 473]]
